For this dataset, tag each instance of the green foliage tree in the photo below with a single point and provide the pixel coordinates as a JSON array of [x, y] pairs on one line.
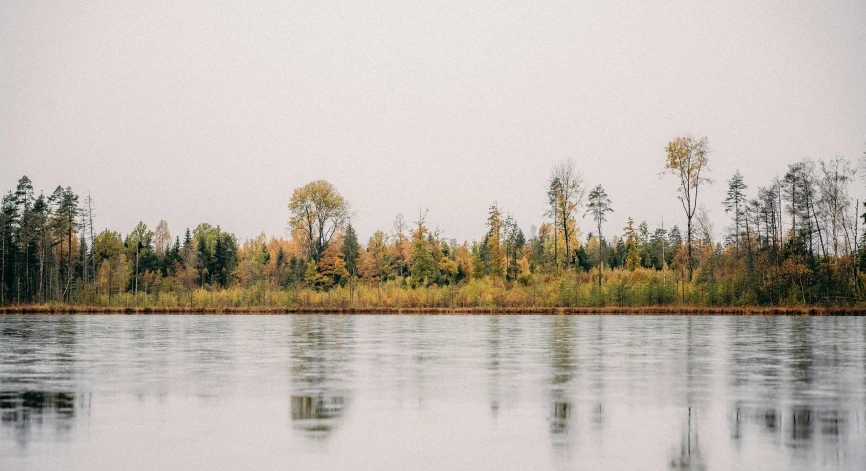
[[598, 206], [351, 251], [140, 252], [217, 254], [110, 257], [734, 203], [423, 267], [632, 257], [514, 242], [65, 223], [494, 242]]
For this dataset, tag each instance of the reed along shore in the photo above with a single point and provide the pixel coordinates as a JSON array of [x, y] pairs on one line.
[[52, 309]]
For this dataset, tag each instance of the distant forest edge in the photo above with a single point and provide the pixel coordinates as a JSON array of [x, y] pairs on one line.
[[795, 243]]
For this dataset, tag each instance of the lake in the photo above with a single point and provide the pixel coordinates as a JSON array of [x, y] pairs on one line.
[[432, 392]]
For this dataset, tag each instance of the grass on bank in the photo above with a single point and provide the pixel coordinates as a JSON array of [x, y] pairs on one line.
[[638, 291]]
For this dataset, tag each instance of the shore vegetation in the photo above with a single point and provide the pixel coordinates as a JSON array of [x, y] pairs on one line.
[[794, 242]]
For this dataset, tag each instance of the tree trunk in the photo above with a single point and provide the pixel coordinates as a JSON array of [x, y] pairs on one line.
[[40, 295], [567, 248], [69, 258], [737, 223], [818, 227], [26, 271], [3, 264], [599, 253], [689, 245], [793, 213], [555, 242], [110, 277]]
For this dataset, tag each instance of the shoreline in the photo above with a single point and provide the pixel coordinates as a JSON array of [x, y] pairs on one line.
[[606, 310]]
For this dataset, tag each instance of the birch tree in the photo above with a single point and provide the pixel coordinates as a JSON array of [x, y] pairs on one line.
[[566, 193], [687, 160]]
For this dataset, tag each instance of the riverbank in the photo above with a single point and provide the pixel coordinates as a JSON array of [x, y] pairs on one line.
[[629, 310]]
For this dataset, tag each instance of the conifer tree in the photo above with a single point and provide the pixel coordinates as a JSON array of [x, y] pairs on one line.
[[735, 203], [351, 250]]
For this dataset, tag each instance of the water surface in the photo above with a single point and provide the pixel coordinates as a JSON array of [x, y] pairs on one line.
[[432, 392]]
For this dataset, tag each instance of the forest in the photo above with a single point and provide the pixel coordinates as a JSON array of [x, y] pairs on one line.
[[795, 241]]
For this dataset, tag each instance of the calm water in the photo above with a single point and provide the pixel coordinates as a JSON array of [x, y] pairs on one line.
[[438, 392]]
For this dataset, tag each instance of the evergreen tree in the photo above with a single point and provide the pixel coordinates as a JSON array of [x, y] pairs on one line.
[[734, 203], [351, 250], [219, 262], [205, 264], [494, 239], [598, 206], [423, 270], [65, 223], [514, 242], [632, 252]]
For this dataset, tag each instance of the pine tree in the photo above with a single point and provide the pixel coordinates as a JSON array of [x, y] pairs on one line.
[[514, 242], [735, 203], [598, 206], [632, 256], [423, 268], [493, 241], [351, 250]]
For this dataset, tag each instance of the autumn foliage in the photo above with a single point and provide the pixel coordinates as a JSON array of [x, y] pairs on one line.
[[796, 242]]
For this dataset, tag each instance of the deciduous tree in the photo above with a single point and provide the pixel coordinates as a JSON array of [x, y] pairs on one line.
[[687, 160], [318, 212], [565, 195]]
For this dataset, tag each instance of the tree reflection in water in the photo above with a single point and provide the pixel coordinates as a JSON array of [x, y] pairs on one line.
[[560, 417], [25, 412], [493, 365], [316, 416], [689, 455], [608, 392], [563, 369], [321, 353]]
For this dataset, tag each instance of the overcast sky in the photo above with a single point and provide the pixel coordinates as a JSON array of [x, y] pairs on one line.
[[215, 111]]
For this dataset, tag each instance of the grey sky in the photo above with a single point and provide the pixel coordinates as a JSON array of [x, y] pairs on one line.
[[215, 111]]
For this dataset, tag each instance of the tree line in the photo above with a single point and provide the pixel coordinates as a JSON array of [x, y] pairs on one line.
[[795, 240]]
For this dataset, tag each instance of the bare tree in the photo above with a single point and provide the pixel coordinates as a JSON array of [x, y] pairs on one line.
[[161, 238], [400, 243], [88, 215], [834, 200], [566, 192]]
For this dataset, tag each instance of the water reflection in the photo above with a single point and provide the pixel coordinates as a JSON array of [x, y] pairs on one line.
[[688, 456], [598, 416], [316, 416], [321, 375], [560, 417], [562, 369], [494, 382], [563, 361], [388, 392], [22, 412], [798, 427]]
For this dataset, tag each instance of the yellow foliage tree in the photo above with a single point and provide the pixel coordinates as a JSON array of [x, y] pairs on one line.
[[686, 159]]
